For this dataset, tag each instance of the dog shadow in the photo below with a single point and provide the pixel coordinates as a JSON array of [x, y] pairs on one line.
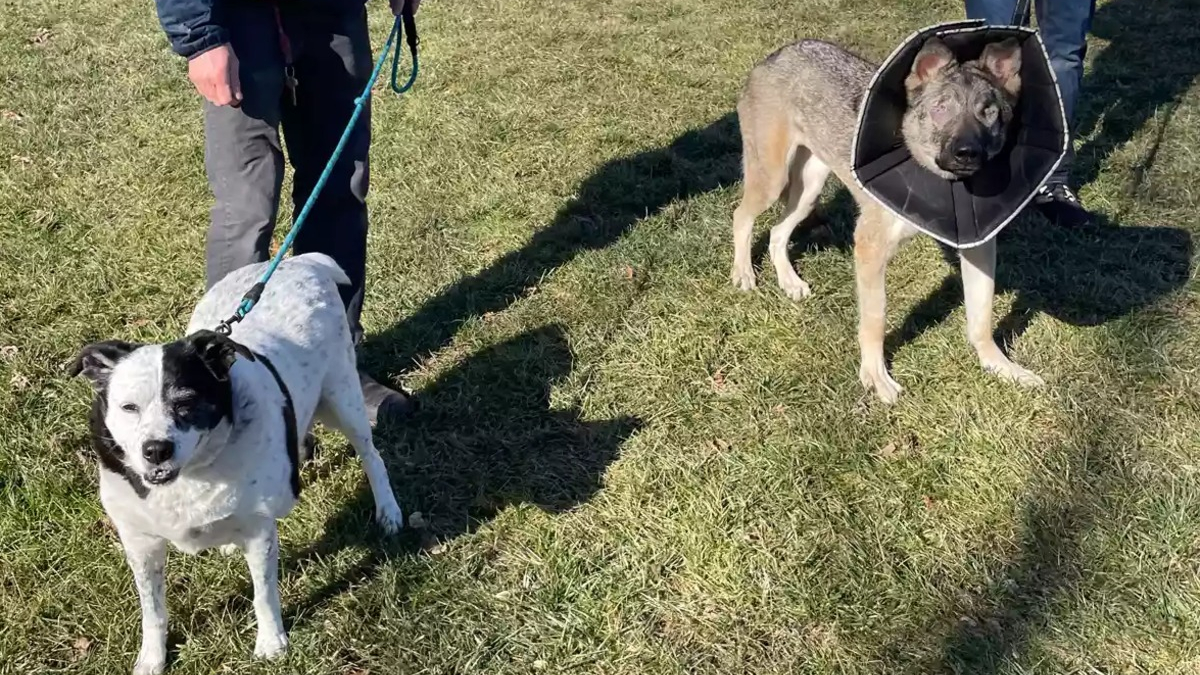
[[607, 205], [486, 437], [830, 226], [1083, 277]]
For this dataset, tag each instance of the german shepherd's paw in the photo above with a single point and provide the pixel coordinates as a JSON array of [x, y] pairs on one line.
[[794, 287], [875, 377], [1010, 371], [742, 277]]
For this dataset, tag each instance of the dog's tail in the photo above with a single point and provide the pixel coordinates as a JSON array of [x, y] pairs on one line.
[[329, 266]]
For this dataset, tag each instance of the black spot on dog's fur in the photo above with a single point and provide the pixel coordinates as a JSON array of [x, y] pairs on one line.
[[196, 391], [289, 423]]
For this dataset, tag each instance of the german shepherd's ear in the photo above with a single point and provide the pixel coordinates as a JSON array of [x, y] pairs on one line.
[[1002, 60], [217, 351], [96, 361], [931, 60]]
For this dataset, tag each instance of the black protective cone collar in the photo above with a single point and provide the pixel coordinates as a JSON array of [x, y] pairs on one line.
[[968, 212]]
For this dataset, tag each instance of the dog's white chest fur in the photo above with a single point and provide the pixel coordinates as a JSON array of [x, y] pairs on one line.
[[217, 507]]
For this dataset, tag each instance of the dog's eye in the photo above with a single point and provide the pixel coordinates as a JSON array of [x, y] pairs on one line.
[[183, 410], [129, 407], [939, 112]]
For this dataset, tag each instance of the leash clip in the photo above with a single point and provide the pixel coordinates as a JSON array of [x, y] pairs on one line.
[[248, 301], [226, 326]]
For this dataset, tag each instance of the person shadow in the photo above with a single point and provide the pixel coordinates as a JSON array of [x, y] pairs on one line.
[[486, 438], [608, 204]]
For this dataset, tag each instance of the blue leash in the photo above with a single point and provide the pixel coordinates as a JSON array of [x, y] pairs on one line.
[[404, 23]]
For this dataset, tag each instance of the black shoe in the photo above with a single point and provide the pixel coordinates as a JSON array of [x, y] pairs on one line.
[[384, 402], [1059, 204]]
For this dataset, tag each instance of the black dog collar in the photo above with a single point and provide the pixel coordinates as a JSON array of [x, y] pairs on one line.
[[289, 422]]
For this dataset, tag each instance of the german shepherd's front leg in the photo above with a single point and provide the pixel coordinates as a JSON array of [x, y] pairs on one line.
[[877, 236], [979, 286]]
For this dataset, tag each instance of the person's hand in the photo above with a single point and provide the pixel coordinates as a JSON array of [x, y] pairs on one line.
[[215, 74], [398, 6]]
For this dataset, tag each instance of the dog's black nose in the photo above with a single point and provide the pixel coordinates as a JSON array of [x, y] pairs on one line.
[[968, 153], [157, 452]]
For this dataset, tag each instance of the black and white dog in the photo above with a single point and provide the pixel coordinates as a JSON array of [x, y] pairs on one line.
[[197, 439]]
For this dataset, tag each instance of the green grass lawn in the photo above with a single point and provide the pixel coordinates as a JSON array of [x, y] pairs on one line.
[[626, 466]]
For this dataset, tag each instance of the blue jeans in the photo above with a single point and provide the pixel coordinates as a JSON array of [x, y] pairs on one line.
[[1064, 25]]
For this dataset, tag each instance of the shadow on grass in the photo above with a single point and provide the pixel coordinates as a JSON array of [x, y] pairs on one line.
[[1150, 62], [995, 624], [831, 226], [485, 438], [1083, 277], [609, 203], [987, 630]]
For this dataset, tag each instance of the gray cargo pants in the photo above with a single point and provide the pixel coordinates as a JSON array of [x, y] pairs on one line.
[[243, 156]]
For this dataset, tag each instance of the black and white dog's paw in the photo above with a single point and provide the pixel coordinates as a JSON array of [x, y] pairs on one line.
[[150, 663], [270, 646], [390, 517]]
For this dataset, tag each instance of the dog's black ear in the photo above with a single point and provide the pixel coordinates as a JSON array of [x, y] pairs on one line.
[[933, 57], [218, 352], [1003, 60], [96, 360]]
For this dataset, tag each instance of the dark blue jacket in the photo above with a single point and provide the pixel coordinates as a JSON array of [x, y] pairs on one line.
[[195, 26]]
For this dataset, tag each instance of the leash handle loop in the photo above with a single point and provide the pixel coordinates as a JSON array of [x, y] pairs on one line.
[[406, 23]]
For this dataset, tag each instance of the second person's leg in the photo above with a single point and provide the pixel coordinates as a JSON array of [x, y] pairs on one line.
[[333, 63]]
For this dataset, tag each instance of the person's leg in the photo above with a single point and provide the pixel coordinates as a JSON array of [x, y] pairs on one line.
[[333, 63], [998, 12], [242, 154], [1064, 25]]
